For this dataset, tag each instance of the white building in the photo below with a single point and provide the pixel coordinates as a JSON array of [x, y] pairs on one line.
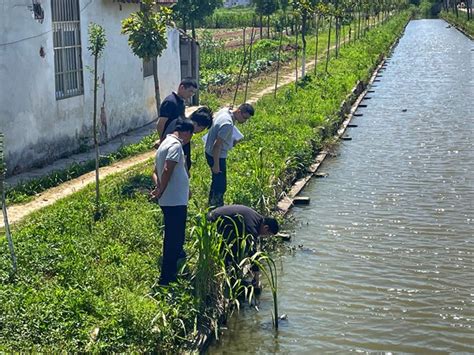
[[232, 3], [46, 97]]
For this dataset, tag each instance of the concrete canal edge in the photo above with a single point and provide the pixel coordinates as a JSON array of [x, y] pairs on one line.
[[346, 112]]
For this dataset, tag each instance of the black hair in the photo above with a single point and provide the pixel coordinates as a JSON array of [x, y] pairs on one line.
[[247, 108], [184, 125], [187, 82], [202, 116], [272, 224]]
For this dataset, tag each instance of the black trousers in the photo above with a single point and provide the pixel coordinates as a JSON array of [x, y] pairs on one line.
[[219, 183], [175, 227]]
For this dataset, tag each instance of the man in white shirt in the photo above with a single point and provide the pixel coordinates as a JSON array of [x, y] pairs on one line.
[[219, 142], [172, 192]]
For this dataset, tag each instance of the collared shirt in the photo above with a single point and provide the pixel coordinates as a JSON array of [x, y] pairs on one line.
[[177, 190], [222, 127]]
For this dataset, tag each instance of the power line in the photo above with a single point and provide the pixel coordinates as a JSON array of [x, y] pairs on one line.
[[39, 35], [25, 39]]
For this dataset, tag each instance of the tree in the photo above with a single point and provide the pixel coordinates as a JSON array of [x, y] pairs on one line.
[[4, 209], [265, 8], [146, 30], [305, 9], [190, 10], [97, 43]]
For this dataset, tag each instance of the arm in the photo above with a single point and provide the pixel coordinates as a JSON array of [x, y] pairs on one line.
[[216, 153], [165, 177], [156, 191], [160, 124]]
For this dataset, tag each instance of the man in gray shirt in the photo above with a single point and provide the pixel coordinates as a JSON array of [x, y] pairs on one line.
[[219, 142], [172, 192]]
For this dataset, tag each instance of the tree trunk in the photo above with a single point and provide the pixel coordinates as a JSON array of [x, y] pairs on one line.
[[185, 29], [193, 29], [8, 233], [296, 57], [329, 43], [157, 86], [261, 26], [268, 27], [96, 142], [318, 18], [359, 21], [303, 38], [248, 67], [278, 62]]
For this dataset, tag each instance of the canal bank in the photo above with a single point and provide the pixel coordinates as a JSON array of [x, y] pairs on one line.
[[382, 258], [97, 276]]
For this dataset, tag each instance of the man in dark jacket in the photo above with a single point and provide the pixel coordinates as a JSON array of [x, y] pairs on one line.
[[238, 221], [235, 223]]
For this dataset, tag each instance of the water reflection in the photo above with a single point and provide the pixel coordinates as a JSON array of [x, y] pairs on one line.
[[387, 262]]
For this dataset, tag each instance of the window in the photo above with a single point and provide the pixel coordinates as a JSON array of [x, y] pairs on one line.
[[148, 67], [67, 48]]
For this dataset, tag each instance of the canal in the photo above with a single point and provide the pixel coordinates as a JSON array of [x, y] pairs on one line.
[[383, 257]]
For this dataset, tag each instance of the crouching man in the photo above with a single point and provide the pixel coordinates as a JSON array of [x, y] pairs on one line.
[[235, 223]]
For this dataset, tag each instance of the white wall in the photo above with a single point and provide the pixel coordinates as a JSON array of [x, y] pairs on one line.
[[232, 3], [37, 127]]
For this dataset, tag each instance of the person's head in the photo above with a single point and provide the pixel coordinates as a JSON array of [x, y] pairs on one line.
[[269, 226], [187, 88], [184, 129], [244, 112], [202, 119]]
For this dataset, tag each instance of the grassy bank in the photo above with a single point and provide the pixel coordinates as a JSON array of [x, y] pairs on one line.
[[461, 21], [84, 285]]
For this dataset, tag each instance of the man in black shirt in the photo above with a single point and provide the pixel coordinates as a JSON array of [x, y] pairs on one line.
[[173, 106]]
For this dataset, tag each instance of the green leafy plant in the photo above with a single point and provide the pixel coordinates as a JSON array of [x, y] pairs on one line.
[[146, 30]]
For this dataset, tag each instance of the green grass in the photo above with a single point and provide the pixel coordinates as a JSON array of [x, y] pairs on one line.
[[85, 286]]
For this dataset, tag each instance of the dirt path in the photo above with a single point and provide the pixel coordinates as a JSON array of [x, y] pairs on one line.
[[17, 212]]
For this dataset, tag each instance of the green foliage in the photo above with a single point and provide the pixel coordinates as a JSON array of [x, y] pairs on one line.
[[265, 7], [460, 21], [97, 39], [84, 286], [190, 10], [229, 18], [146, 30]]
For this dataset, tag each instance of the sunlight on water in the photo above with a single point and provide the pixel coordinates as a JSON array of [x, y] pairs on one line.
[[384, 255]]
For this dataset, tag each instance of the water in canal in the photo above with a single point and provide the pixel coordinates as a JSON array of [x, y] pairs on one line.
[[387, 262]]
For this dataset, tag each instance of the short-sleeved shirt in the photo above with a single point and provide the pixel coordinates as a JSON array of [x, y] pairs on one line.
[[240, 217], [186, 148], [177, 190], [172, 107], [222, 127]]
